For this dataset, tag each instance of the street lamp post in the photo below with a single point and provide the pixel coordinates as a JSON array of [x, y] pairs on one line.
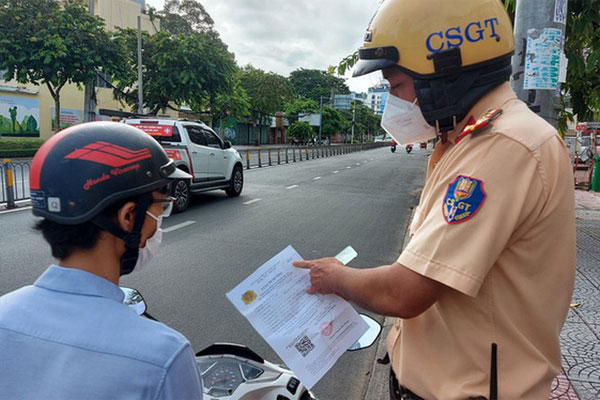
[[320, 117], [353, 119]]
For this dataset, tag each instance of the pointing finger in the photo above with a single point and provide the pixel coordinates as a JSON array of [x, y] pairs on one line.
[[301, 264]]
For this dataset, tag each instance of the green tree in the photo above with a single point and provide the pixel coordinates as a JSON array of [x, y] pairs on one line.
[[268, 92], [232, 102], [182, 68], [185, 16], [54, 43], [366, 122], [314, 84], [299, 107], [301, 131], [582, 47], [333, 122]]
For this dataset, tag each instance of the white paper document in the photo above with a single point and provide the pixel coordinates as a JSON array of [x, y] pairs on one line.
[[308, 332]]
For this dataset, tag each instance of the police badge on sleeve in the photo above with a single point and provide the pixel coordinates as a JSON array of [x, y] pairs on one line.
[[462, 201]]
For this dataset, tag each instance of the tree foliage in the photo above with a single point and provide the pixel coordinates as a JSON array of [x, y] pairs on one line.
[[233, 102], [181, 68], [301, 131], [185, 16], [54, 43], [366, 122], [314, 84], [582, 47], [333, 122], [268, 92], [300, 107]]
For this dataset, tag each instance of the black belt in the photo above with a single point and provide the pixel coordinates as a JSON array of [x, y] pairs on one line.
[[399, 392]]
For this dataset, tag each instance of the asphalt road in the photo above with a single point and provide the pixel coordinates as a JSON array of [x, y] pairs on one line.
[[361, 199]]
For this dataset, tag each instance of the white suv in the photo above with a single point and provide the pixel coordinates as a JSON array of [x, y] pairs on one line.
[[198, 150]]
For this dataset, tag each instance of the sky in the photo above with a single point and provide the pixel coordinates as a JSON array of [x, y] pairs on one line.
[[284, 35]]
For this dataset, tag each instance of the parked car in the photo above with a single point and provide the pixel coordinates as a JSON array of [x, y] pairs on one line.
[[198, 150]]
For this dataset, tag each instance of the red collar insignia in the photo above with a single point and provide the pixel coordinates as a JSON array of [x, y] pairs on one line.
[[473, 125]]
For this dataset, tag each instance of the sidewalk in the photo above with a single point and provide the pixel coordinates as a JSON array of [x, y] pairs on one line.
[[580, 336]]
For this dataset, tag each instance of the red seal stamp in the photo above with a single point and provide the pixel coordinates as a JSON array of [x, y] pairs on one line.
[[326, 328]]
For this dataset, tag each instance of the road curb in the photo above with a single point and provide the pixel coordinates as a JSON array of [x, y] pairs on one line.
[[378, 387]]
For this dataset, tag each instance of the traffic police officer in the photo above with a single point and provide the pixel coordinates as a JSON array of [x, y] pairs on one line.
[[484, 284]]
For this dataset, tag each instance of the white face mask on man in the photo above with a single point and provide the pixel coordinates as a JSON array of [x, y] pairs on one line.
[[146, 253], [404, 121]]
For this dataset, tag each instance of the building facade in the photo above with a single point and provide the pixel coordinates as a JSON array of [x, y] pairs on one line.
[[344, 101], [377, 98], [28, 110]]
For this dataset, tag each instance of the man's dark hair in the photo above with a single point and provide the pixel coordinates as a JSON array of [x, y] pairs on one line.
[[65, 239]]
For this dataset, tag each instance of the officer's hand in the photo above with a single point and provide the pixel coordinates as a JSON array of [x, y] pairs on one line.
[[322, 274]]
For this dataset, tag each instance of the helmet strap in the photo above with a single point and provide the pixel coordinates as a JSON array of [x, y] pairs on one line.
[[131, 239], [448, 99]]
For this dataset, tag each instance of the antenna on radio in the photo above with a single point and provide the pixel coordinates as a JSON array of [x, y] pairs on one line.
[[494, 373]]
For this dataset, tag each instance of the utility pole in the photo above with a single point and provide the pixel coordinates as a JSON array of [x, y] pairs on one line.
[[89, 97], [539, 42], [140, 108], [320, 117], [353, 119]]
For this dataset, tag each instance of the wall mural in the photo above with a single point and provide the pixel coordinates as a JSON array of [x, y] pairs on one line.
[[19, 116]]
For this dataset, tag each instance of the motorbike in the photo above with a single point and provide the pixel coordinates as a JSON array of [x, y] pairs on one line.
[[409, 148], [231, 371], [393, 146]]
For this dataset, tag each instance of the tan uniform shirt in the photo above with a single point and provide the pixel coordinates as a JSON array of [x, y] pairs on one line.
[[495, 224]]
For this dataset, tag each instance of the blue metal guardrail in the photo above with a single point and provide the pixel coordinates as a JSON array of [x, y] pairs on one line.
[[14, 175]]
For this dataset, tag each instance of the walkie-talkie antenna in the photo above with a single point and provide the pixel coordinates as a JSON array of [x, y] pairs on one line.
[[494, 373]]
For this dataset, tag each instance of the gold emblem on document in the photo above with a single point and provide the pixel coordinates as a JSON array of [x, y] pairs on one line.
[[249, 297]]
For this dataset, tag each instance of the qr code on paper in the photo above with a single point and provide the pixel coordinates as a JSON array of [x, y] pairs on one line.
[[304, 346]]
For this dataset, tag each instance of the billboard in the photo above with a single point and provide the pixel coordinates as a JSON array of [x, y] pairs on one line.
[[19, 116]]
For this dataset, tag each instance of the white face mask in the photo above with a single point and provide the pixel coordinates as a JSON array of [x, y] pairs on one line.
[[404, 122], [147, 252]]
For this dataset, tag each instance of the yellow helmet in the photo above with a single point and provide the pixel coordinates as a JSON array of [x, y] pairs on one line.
[[433, 38]]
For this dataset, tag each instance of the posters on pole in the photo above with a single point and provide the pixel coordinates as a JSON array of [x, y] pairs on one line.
[[542, 63], [19, 116], [560, 11]]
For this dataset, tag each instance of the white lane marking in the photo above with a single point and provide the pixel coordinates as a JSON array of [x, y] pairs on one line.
[[251, 201], [357, 163], [15, 210], [178, 226], [335, 172], [316, 178], [292, 187], [348, 167]]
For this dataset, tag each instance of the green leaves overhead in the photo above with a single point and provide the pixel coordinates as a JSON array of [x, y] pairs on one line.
[[54, 43], [314, 84], [44, 41], [299, 107], [582, 47], [182, 68], [268, 92]]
